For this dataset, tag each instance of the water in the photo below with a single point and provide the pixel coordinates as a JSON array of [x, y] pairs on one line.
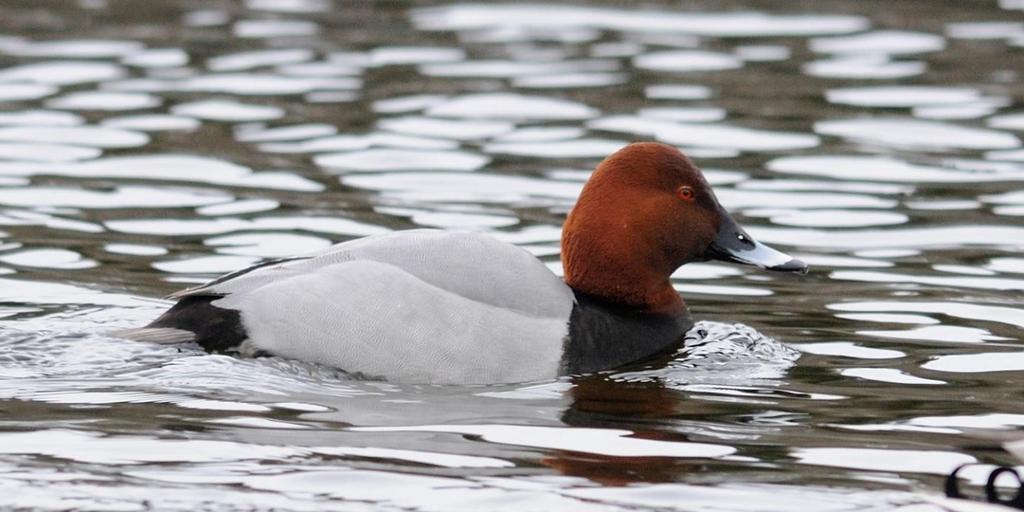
[[145, 150]]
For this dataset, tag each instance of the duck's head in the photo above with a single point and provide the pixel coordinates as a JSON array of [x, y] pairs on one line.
[[646, 211]]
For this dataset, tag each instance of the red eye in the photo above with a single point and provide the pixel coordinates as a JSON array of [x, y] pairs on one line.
[[685, 193]]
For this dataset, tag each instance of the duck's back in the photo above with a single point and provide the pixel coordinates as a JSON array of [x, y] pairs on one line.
[[412, 306]]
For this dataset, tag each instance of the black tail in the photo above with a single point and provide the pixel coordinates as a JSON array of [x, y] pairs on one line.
[[216, 329]]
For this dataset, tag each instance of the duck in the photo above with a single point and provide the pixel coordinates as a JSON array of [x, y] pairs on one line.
[[461, 307]]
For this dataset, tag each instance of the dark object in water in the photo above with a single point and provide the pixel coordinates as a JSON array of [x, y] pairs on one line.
[[991, 494]]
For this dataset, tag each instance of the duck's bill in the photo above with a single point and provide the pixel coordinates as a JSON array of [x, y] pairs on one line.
[[735, 245]]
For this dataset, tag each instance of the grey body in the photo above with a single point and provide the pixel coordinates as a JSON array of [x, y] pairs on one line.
[[412, 306]]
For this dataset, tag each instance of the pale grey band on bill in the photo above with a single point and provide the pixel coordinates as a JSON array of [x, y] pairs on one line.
[[767, 258]]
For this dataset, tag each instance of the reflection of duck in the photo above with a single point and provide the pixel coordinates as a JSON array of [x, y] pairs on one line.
[[455, 307], [600, 402]]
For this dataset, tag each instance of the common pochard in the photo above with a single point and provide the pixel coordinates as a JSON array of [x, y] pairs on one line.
[[431, 306]]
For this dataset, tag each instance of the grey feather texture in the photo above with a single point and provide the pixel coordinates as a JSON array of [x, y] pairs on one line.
[[412, 306], [161, 335], [473, 265]]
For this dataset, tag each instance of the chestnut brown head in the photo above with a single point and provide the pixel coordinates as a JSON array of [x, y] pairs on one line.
[[647, 210]]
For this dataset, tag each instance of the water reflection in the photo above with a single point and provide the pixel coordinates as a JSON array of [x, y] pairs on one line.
[[206, 138], [913, 134]]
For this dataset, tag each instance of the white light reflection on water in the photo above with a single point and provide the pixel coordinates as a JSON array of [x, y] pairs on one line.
[[39, 117], [864, 67], [739, 24], [73, 48], [578, 148], [706, 135], [511, 106], [948, 236], [891, 42], [1002, 314], [62, 72], [888, 375], [687, 60], [510, 69], [110, 101], [227, 110], [20, 92], [255, 59], [913, 461], [902, 96], [914, 134], [615, 443], [121, 197], [401, 160], [154, 122], [47, 258], [984, 362], [456, 129], [33, 152], [848, 349], [155, 167], [886, 170], [93, 136]]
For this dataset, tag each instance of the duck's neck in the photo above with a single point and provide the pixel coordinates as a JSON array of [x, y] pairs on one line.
[[619, 274]]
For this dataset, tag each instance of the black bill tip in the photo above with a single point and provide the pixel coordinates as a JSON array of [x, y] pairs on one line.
[[794, 265]]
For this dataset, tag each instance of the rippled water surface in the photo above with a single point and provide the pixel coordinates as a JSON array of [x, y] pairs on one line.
[[148, 146]]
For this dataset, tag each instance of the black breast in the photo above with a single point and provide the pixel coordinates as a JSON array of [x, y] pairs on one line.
[[603, 335]]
